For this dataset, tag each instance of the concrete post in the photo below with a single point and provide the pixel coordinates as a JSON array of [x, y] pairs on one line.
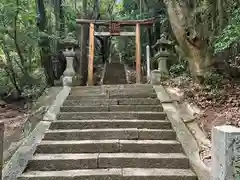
[[148, 63], [69, 73], [226, 153], [1, 146]]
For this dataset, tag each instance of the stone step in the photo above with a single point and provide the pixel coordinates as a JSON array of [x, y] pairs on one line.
[[90, 102], [111, 115], [127, 101], [119, 133], [57, 162], [133, 95], [98, 124], [113, 108], [111, 174], [107, 146], [110, 95]]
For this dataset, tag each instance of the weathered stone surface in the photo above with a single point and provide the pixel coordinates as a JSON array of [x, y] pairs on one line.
[[81, 174], [87, 96], [113, 108], [108, 135], [184, 136], [158, 174], [152, 108], [140, 101], [162, 94], [143, 160], [84, 108], [150, 146], [226, 153], [83, 146], [54, 109], [133, 95], [2, 130], [98, 124], [165, 134], [58, 162], [112, 115], [90, 102], [95, 134], [20, 159]]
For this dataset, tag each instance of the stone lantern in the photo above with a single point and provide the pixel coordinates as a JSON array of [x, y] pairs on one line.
[[69, 74], [163, 54]]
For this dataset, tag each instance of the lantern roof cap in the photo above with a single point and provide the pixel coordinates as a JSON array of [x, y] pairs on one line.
[[163, 41], [69, 40]]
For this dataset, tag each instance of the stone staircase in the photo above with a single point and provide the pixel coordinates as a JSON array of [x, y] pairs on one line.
[[115, 74], [110, 133]]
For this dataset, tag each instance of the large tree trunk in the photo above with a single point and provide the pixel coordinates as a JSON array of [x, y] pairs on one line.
[[83, 48], [44, 44], [193, 45]]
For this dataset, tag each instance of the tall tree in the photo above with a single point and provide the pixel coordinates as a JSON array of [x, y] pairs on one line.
[[44, 43]]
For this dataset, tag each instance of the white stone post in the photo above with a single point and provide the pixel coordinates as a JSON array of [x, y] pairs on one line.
[[226, 153], [1, 146], [69, 73], [148, 63]]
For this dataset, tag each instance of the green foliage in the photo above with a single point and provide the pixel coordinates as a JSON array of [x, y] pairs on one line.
[[213, 80], [230, 35], [179, 69]]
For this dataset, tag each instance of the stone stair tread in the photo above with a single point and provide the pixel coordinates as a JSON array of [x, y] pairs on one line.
[[47, 142], [111, 115], [178, 174], [157, 172], [114, 123], [110, 120], [113, 108], [109, 133], [75, 156], [123, 101], [109, 146], [106, 129], [112, 105]]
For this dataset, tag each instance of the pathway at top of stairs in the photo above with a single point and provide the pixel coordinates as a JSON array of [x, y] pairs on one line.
[[110, 133]]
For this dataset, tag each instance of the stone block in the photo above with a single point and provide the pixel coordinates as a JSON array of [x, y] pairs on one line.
[[96, 134], [87, 146], [58, 162], [150, 146], [163, 134], [226, 153], [155, 77]]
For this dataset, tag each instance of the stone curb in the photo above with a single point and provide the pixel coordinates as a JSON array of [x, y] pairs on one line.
[[19, 160], [185, 137], [54, 109]]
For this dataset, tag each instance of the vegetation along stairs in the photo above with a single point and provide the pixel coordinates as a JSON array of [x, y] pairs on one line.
[[110, 132]]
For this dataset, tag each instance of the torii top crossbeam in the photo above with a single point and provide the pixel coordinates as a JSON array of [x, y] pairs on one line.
[[147, 22], [115, 30]]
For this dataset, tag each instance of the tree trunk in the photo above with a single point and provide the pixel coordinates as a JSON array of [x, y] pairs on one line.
[[194, 46], [83, 46], [45, 52]]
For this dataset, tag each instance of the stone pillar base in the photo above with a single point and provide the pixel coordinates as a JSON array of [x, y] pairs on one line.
[[226, 153], [155, 77], [68, 81]]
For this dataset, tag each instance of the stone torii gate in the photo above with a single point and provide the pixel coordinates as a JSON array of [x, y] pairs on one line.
[[115, 30]]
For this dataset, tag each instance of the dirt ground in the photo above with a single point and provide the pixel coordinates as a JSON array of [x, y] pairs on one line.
[[217, 107], [15, 114]]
